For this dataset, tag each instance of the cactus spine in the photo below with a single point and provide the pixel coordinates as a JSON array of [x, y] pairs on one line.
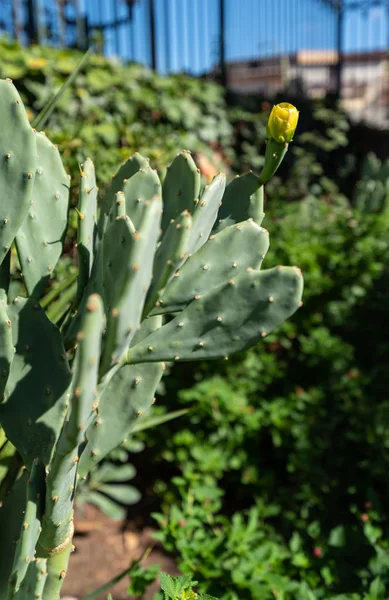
[[72, 394]]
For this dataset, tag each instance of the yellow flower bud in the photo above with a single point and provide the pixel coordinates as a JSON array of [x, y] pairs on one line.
[[282, 122]]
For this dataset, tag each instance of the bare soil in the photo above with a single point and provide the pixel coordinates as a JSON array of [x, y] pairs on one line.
[[104, 548]]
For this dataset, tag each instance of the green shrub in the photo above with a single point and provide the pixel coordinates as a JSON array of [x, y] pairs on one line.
[[113, 110], [292, 435]]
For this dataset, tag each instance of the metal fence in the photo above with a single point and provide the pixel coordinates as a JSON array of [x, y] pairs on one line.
[[311, 47]]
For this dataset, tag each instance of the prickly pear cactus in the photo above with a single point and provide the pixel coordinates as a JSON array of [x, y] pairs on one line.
[[73, 387]]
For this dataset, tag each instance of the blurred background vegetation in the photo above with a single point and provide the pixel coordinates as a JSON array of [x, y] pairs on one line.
[[273, 482]]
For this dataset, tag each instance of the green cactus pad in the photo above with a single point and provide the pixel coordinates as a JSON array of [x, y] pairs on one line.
[[232, 317], [180, 188], [5, 273], [119, 206], [126, 399], [170, 255], [56, 567], [61, 480], [18, 165], [243, 199], [142, 188], [40, 238], [11, 520], [126, 171], [35, 396], [87, 225], [127, 271], [34, 581], [223, 257], [206, 212], [6, 345], [29, 532], [85, 372]]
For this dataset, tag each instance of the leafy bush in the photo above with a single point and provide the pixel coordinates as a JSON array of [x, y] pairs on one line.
[[114, 110], [372, 190], [284, 461]]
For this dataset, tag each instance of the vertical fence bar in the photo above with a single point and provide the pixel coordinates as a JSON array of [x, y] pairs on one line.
[[339, 48], [131, 28], [116, 27], [386, 82], [40, 23], [204, 39], [15, 20], [195, 41], [61, 28], [31, 25], [152, 35], [167, 35], [81, 42], [222, 43]]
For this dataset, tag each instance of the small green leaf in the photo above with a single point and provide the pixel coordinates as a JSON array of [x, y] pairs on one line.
[[125, 494], [377, 589], [337, 537], [108, 506], [111, 472]]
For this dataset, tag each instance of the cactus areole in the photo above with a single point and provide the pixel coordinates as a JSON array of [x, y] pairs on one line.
[[74, 386]]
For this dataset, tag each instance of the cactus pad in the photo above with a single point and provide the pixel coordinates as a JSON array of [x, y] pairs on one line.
[[87, 224], [127, 270], [128, 396], [40, 238], [35, 397], [17, 165], [206, 212], [126, 171], [180, 188], [142, 188], [224, 256], [230, 318], [243, 199]]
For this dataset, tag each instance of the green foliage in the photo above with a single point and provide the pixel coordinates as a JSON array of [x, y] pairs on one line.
[[316, 163], [141, 578], [107, 489], [172, 588], [291, 436], [112, 111], [372, 190], [180, 588], [117, 468]]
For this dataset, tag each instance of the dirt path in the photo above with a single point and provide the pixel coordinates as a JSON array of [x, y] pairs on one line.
[[103, 550]]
